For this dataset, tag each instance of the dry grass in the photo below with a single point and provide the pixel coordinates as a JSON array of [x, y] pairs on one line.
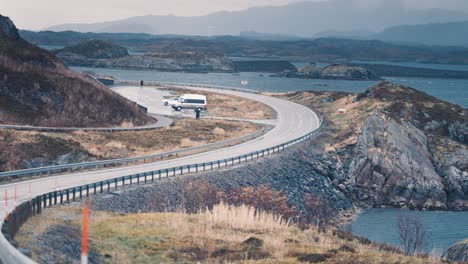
[[18, 146], [227, 234], [222, 105]]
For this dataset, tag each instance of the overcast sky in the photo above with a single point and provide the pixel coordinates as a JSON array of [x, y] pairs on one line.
[[39, 14]]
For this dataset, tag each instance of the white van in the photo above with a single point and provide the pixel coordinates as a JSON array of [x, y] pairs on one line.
[[191, 101]]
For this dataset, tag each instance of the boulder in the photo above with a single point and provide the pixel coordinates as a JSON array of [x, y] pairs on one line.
[[458, 252]]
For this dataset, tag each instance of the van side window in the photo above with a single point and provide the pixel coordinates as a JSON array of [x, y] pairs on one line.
[[194, 101]]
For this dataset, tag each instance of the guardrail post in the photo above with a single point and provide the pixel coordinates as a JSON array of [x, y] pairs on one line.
[[204, 165], [181, 170], [101, 183], [115, 181], [152, 176], [74, 195], [81, 192], [33, 204], [87, 190], [174, 169], [55, 197], [159, 172], [68, 195], [138, 179], [196, 167], [167, 173], [61, 197], [95, 188], [219, 164], [108, 186], [211, 163], [38, 207], [131, 179]]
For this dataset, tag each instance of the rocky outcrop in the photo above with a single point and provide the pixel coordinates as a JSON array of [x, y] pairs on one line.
[[332, 72], [95, 49], [458, 252], [392, 166], [343, 72], [8, 29]]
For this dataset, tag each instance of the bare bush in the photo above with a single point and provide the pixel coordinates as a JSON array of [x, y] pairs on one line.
[[262, 198], [219, 131], [413, 234], [316, 211]]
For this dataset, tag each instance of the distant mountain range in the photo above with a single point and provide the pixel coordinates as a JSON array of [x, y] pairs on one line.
[[302, 19], [440, 34], [444, 34]]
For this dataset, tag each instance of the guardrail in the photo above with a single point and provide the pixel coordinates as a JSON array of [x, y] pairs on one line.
[[126, 161], [86, 129], [36, 205]]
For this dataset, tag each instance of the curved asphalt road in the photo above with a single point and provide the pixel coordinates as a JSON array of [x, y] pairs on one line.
[[293, 121]]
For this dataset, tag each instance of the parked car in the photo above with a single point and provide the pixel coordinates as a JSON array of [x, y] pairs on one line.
[[190, 101], [171, 101]]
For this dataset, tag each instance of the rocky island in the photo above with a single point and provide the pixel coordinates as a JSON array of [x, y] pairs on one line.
[[332, 72], [101, 54]]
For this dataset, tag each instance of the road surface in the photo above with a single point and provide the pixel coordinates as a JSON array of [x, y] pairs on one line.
[[293, 121]]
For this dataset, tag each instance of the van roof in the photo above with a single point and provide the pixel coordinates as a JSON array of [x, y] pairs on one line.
[[193, 96]]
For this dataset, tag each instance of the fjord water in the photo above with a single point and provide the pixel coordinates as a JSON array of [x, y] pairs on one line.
[[444, 228], [451, 90]]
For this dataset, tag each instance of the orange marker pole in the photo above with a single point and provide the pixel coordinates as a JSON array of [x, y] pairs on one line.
[[85, 235]]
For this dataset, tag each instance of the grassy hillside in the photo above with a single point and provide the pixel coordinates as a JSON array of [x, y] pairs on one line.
[[37, 89], [226, 234]]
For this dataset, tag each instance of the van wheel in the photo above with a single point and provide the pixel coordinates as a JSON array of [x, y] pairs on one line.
[[166, 103], [179, 108]]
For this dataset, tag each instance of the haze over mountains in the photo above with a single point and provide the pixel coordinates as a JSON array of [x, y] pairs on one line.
[[304, 19]]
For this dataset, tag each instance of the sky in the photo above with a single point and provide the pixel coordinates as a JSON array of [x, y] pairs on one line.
[[40, 14]]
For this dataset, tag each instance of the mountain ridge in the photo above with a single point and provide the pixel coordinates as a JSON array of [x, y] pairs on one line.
[[310, 18]]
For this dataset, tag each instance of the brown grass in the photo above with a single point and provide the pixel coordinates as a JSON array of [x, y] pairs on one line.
[[226, 234], [18, 146], [222, 105]]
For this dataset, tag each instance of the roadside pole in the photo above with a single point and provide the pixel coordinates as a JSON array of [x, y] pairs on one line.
[[85, 235]]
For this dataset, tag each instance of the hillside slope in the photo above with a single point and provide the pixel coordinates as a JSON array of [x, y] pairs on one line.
[[37, 89]]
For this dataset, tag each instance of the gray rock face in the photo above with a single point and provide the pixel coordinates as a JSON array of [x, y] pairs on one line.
[[392, 166], [458, 252], [8, 29]]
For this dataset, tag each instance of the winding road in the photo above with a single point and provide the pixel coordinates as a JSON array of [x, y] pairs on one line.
[[293, 121]]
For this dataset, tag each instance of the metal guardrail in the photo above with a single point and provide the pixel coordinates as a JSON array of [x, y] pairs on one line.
[[36, 205], [125, 161]]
